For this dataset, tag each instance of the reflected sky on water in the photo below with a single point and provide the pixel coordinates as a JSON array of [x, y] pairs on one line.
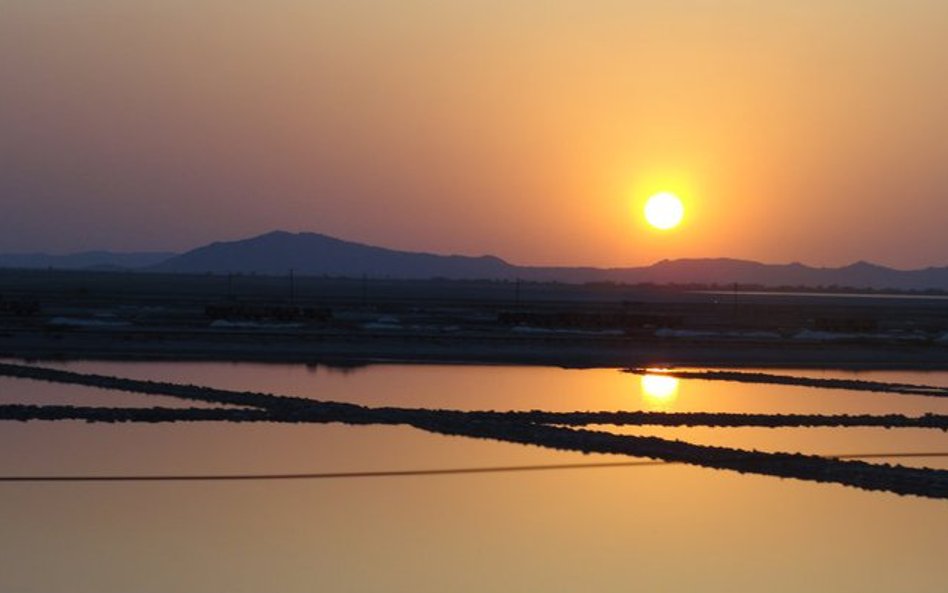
[[656, 528]]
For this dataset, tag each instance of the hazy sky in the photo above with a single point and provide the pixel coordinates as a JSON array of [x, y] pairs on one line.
[[812, 131]]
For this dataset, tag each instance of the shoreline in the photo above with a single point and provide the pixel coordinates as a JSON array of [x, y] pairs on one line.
[[361, 350], [91, 316]]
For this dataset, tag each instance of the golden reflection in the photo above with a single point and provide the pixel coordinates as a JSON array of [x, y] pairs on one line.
[[658, 389]]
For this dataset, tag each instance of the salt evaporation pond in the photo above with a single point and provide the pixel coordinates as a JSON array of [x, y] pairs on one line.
[[654, 528]]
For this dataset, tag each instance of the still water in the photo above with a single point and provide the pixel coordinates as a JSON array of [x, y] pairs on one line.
[[650, 528]]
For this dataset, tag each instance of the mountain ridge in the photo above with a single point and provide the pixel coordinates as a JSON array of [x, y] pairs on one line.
[[85, 260], [278, 252]]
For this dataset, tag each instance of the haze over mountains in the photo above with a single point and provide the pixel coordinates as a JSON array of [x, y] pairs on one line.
[[278, 252]]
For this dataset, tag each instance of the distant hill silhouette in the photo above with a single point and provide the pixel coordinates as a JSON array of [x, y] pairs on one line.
[[88, 260], [315, 254]]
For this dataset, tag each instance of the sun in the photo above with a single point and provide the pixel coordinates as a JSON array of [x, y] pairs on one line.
[[664, 211]]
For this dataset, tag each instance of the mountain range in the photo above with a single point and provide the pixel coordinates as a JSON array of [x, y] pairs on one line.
[[278, 252], [87, 260]]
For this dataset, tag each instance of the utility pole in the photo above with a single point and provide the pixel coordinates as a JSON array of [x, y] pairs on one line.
[[292, 288], [735, 304]]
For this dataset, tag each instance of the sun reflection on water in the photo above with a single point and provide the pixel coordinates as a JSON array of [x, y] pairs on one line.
[[659, 390]]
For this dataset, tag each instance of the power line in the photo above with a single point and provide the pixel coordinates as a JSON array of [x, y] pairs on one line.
[[400, 473]]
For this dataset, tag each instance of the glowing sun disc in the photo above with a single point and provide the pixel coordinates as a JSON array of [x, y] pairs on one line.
[[664, 211]]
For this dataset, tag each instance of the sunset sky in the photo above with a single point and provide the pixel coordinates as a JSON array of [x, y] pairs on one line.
[[812, 131]]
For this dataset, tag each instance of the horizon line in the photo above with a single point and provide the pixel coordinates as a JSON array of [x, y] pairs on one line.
[[175, 253]]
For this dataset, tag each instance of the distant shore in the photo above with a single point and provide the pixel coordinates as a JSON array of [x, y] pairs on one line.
[[346, 322], [360, 349]]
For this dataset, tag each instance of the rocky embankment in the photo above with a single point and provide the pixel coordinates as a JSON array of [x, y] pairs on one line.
[[540, 428]]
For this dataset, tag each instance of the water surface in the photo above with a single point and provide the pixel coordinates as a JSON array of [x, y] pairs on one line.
[[654, 528]]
